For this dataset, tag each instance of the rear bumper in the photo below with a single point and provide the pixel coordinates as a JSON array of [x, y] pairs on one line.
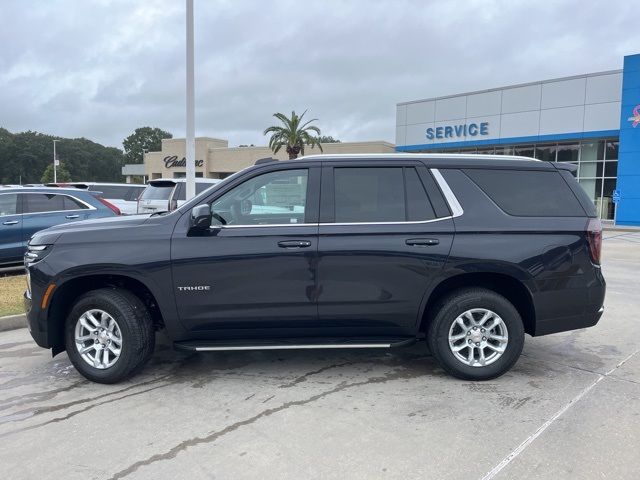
[[563, 324]]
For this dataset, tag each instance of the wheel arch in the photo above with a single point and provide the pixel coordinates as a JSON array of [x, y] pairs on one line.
[[508, 286], [65, 295]]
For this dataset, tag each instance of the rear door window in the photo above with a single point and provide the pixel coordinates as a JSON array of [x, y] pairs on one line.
[[528, 193], [9, 204], [43, 202], [369, 194], [418, 205], [47, 202], [382, 194]]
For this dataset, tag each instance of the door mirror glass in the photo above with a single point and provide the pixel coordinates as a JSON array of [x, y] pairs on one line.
[[200, 219]]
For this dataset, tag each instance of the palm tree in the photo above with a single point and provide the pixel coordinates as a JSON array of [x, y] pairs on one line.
[[293, 134]]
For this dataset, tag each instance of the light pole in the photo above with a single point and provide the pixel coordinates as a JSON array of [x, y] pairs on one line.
[[55, 162], [190, 147]]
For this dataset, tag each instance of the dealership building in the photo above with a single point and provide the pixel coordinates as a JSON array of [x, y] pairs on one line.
[[215, 159], [591, 120]]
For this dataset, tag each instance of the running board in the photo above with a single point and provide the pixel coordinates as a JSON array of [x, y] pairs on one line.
[[292, 344]]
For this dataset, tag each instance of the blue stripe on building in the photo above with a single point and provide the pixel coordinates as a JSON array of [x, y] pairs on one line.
[[628, 210], [511, 140]]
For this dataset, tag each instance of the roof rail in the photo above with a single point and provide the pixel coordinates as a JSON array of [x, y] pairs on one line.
[[260, 161]]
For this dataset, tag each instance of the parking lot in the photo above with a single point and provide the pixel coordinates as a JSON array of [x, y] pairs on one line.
[[570, 408]]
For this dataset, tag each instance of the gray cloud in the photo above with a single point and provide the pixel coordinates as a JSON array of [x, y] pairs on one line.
[[99, 69]]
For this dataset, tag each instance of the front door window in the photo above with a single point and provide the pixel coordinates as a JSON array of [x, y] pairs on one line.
[[274, 198]]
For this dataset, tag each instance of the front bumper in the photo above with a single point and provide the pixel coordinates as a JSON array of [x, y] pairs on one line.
[[39, 335]]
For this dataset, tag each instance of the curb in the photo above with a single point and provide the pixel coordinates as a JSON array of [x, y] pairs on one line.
[[13, 322]]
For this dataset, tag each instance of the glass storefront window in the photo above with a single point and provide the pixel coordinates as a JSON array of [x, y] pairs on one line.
[[568, 152], [611, 169], [591, 151], [591, 169], [589, 186], [546, 153], [523, 150], [608, 206], [612, 150], [504, 150], [486, 151]]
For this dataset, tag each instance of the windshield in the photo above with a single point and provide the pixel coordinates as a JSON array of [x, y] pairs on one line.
[[157, 192]]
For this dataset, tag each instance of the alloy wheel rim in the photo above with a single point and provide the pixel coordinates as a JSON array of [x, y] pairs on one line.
[[478, 337], [98, 339]]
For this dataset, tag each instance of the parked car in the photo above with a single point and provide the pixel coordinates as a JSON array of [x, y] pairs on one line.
[[122, 195], [354, 251], [26, 210], [167, 194]]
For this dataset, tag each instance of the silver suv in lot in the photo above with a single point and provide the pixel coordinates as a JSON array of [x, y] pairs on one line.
[[167, 194]]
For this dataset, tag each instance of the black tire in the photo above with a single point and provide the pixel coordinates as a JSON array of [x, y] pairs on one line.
[[136, 327], [456, 304]]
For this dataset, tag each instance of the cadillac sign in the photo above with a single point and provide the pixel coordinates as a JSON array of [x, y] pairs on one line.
[[172, 161]]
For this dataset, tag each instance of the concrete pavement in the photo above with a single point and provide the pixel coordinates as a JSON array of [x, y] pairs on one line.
[[570, 408]]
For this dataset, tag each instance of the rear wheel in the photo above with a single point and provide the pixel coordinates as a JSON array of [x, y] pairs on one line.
[[109, 335], [476, 334]]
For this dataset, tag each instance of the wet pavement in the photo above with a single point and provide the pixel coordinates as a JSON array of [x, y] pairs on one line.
[[570, 408]]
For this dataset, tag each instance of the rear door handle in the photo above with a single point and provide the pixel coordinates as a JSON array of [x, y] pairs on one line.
[[294, 244], [422, 242], [10, 222], [71, 217]]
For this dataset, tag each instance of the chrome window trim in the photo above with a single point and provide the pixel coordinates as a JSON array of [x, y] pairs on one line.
[[452, 200]]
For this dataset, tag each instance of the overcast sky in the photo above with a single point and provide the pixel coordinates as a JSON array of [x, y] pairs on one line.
[[99, 69]]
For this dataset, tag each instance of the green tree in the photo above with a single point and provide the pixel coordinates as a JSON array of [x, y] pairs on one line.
[[293, 134], [327, 139], [25, 155], [143, 139], [62, 174]]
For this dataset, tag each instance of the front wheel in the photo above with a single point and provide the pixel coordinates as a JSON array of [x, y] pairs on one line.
[[109, 335], [476, 334]]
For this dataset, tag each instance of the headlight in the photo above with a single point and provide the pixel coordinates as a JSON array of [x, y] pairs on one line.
[[35, 253]]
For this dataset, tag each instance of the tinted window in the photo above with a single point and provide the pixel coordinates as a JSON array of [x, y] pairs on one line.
[[273, 198], [528, 193], [437, 199], [73, 204], [182, 189], [369, 195], [8, 204], [116, 192], [134, 193], [43, 202], [418, 205], [157, 192]]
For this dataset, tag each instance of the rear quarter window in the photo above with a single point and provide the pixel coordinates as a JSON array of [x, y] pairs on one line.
[[528, 193]]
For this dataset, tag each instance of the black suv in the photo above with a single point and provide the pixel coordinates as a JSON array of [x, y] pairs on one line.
[[354, 251]]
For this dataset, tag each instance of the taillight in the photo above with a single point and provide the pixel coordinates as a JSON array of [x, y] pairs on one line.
[[594, 237], [115, 209]]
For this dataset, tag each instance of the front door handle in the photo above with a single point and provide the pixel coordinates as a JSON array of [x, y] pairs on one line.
[[422, 242], [71, 217], [294, 244], [10, 222]]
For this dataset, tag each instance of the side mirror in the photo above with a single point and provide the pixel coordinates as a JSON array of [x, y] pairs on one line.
[[200, 219]]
